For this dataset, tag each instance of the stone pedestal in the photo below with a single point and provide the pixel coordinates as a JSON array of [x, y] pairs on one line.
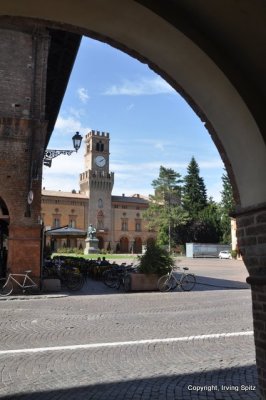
[[92, 246]]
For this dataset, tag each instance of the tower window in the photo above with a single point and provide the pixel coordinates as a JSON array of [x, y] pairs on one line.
[[99, 146], [100, 203]]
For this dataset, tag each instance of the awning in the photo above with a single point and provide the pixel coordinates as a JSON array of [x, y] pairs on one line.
[[66, 232]]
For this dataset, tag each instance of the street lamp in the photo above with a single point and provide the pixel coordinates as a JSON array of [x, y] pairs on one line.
[[77, 138], [50, 154]]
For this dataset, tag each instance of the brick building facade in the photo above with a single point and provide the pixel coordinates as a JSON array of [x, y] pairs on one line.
[[118, 219]]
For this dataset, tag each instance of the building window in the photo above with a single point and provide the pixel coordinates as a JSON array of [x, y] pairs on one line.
[[116, 206], [100, 203], [56, 222], [100, 224], [138, 226], [99, 146], [72, 223], [125, 207], [124, 226]]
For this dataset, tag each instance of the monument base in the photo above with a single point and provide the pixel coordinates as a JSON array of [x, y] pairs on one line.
[[91, 246]]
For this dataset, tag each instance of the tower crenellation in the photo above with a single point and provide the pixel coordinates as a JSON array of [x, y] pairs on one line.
[[97, 133]]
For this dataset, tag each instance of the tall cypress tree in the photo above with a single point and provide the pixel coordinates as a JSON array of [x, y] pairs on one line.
[[194, 190]]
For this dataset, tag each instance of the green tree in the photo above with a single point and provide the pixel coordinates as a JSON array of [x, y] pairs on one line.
[[204, 219], [227, 206], [165, 212], [205, 228], [210, 223], [194, 190]]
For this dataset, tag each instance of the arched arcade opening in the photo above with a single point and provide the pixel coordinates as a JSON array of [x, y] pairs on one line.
[[213, 77]]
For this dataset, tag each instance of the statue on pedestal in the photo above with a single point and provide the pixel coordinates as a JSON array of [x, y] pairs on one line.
[[91, 232], [91, 241]]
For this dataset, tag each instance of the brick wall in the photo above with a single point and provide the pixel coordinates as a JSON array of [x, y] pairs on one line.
[[251, 233], [23, 56]]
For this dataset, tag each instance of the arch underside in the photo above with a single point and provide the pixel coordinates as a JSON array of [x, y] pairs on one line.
[[204, 80]]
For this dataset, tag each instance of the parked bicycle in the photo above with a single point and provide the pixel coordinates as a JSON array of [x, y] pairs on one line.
[[115, 277], [186, 281], [69, 275], [22, 280]]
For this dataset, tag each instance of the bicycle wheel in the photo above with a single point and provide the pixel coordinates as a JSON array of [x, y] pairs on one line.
[[110, 278], [6, 287], [165, 283], [74, 281], [188, 282]]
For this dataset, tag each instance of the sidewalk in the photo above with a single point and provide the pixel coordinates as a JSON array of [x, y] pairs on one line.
[[211, 274]]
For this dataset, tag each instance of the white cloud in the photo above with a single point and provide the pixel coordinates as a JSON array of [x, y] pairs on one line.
[[83, 95], [64, 172], [77, 113], [69, 125], [141, 87]]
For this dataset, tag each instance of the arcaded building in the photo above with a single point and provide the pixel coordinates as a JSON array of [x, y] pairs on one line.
[[118, 219]]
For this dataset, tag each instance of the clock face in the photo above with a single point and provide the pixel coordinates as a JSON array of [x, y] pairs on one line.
[[100, 161]]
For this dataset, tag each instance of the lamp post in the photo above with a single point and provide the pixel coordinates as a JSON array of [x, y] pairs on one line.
[[50, 154]]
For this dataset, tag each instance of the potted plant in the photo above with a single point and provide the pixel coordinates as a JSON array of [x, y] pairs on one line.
[[155, 262]]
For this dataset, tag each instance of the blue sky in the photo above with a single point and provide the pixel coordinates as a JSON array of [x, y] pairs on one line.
[[149, 124]]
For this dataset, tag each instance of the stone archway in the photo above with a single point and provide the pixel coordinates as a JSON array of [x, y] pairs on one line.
[[137, 245], [124, 245]]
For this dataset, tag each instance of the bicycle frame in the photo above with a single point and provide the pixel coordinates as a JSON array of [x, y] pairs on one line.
[[177, 279], [185, 281], [23, 285]]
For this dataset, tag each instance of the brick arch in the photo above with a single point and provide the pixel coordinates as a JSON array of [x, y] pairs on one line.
[[211, 85], [3, 208], [124, 244], [137, 245], [198, 79]]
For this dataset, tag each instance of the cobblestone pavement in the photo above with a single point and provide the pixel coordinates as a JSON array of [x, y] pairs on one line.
[[103, 353]]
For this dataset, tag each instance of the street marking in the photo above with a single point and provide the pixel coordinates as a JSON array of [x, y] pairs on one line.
[[129, 343]]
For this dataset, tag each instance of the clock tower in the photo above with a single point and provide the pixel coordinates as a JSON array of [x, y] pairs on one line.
[[97, 183]]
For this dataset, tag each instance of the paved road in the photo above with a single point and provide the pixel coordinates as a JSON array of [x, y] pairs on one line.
[[139, 346]]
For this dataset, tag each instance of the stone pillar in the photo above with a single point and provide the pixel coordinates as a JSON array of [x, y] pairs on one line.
[[251, 233], [23, 65]]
